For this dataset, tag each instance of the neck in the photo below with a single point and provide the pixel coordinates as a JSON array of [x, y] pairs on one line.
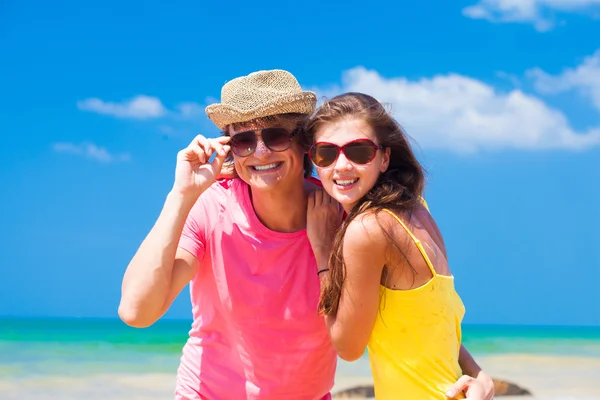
[[348, 207], [282, 210]]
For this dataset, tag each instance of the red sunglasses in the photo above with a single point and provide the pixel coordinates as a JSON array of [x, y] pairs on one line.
[[360, 151]]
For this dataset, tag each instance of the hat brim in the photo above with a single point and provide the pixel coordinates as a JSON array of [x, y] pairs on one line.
[[300, 103]]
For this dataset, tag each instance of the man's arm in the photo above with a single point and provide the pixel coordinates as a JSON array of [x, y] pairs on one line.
[[159, 270]]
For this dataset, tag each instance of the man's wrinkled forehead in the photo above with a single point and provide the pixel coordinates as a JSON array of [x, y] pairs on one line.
[[261, 123]]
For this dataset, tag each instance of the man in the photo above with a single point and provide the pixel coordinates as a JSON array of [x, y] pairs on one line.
[[242, 245]]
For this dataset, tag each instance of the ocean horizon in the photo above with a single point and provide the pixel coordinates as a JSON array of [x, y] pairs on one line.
[[76, 345]]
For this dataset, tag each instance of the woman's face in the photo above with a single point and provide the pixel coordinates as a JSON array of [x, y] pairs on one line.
[[349, 174]]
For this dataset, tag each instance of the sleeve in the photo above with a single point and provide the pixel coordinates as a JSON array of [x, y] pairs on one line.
[[194, 234]]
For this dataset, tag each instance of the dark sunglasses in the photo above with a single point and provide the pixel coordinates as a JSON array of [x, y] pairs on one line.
[[360, 151], [275, 139]]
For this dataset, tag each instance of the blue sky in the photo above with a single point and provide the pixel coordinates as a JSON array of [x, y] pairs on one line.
[[96, 98]]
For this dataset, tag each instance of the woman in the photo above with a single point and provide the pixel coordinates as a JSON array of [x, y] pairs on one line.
[[386, 284]]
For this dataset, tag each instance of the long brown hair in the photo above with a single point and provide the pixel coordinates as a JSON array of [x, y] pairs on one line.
[[399, 188]]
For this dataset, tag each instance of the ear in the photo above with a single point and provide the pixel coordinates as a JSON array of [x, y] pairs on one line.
[[385, 159]]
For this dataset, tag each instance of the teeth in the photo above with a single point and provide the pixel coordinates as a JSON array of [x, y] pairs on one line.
[[265, 167], [346, 182]]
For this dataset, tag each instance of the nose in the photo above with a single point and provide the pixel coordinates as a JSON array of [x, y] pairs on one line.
[[262, 151], [342, 163]]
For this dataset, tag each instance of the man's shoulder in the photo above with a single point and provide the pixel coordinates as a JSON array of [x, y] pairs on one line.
[[311, 184], [218, 194], [224, 187], [314, 180], [221, 197]]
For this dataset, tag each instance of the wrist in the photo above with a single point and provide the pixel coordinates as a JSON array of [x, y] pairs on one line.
[[181, 201], [322, 251], [482, 376]]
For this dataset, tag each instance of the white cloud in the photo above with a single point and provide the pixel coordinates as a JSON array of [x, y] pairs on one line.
[[139, 107], [540, 13], [569, 5], [584, 78], [190, 110], [463, 114], [510, 78], [89, 150]]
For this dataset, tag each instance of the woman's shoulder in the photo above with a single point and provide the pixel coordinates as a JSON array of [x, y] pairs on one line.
[[371, 227]]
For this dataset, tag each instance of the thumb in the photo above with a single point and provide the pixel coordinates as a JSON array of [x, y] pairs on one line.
[[219, 159], [458, 386]]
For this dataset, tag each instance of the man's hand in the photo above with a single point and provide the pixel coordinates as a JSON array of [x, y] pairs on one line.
[[480, 388], [194, 173], [323, 220]]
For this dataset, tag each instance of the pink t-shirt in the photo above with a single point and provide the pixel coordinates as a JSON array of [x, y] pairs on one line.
[[256, 332]]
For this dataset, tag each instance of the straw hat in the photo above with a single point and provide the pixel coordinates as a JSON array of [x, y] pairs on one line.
[[260, 94]]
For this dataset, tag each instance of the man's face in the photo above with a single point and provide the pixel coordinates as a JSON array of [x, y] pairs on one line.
[[268, 169]]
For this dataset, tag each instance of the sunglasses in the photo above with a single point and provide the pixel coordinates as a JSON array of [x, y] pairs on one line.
[[275, 139], [360, 151]]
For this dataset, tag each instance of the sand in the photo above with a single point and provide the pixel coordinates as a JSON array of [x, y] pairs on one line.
[[547, 377]]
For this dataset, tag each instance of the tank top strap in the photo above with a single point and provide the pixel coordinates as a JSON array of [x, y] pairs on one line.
[[417, 241], [424, 203]]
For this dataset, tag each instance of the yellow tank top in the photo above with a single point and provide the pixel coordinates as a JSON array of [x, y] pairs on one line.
[[415, 342]]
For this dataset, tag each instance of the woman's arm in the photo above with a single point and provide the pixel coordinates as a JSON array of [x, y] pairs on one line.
[[364, 253]]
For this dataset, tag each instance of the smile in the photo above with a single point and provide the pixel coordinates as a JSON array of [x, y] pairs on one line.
[[268, 167], [345, 182]]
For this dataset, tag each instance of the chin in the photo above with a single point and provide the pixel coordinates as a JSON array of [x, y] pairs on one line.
[[345, 200], [260, 183], [271, 181]]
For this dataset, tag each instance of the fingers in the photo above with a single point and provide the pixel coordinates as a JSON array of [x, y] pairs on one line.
[[223, 139], [461, 384], [318, 197], [194, 152], [311, 201], [204, 144], [219, 159], [331, 202], [219, 146], [202, 149], [321, 197], [327, 199]]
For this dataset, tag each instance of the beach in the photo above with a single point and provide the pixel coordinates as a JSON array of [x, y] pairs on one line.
[[86, 359], [545, 376]]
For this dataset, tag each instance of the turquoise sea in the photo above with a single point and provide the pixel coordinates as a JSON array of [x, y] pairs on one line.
[[80, 347]]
